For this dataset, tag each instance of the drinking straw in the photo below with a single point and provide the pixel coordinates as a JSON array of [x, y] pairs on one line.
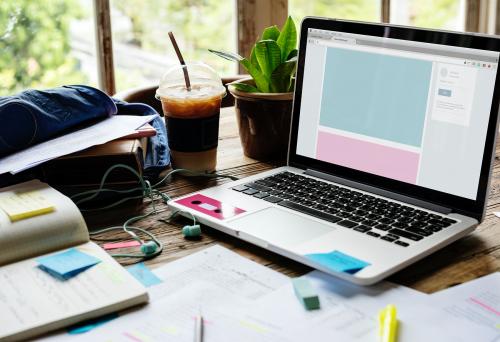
[[181, 60]]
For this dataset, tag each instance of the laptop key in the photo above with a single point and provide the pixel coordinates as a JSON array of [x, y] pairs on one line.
[[261, 195], [371, 233], [362, 229], [388, 238], [382, 227], [250, 191], [258, 187], [347, 224], [315, 213], [405, 234], [401, 243], [272, 199], [240, 188], [419, 231]]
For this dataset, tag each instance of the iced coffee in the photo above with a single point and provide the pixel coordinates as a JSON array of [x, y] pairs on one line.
[[192, 116]]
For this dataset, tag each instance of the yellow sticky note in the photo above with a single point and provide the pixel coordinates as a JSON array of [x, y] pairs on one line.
[[22, 205]]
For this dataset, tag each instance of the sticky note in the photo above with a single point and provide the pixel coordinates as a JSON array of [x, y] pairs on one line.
[[90, 324], [67, 264], [305, 293], [338, 261], [22, 205], [115, 245], [142, 273]]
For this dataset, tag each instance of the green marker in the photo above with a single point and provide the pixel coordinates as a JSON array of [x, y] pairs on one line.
[[305, 293]]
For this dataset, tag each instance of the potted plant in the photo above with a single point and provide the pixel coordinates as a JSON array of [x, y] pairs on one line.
[[264, 100]]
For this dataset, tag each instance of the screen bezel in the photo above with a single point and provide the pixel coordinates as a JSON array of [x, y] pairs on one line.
[[468, 207]]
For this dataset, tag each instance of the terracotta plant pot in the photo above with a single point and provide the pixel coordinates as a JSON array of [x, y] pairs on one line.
[[263, 122]]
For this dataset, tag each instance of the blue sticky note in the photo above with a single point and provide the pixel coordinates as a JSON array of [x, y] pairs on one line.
[[338, 261], [67, 264], [90, 324], [142, 273]]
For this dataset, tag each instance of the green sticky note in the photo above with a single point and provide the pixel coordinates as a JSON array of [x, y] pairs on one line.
[[305, 293]]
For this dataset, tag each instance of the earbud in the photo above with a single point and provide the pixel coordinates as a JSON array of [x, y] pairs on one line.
[[149, 247], [191, 231]]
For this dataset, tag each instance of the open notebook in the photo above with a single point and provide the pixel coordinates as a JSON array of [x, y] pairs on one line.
[[36, 220]]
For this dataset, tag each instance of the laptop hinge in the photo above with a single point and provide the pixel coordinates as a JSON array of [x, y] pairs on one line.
[[380, 192]]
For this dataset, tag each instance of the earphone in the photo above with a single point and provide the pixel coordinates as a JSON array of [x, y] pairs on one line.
[[153, 247]]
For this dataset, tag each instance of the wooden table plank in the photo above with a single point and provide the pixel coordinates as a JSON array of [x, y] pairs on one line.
[[473, 256]]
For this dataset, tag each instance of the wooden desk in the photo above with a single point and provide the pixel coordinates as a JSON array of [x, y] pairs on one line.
[[473, 256]]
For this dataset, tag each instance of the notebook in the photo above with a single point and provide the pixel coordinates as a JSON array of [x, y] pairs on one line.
[[37, 221]]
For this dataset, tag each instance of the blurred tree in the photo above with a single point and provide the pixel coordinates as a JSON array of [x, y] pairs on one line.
[[367, 10], [197, 25], [34, 44]]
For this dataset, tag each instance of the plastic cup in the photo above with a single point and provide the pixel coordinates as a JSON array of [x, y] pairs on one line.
[[192, 116]]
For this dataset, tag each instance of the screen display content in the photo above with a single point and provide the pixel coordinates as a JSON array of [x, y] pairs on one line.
[[409, 111]]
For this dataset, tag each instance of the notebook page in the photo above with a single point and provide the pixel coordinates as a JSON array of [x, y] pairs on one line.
[[63, 227], [32, 299]]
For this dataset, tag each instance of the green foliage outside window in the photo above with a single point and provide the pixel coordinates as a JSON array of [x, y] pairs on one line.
[[34, 45]]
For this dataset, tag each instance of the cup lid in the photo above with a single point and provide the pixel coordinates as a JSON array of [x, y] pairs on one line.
[[204, 82]]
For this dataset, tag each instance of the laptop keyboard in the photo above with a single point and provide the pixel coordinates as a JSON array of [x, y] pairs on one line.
[[363, 213]]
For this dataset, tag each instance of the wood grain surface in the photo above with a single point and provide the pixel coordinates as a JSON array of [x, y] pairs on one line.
[[473, 256]]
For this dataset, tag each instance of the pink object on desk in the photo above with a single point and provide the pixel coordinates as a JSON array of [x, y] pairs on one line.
[[115, 245], [210, 206]]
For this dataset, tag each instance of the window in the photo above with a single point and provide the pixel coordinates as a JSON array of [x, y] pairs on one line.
[[367, 10], [142, 49], [439, 14], [46, 44]]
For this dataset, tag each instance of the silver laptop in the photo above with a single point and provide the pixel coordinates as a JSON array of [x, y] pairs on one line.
[[390, 154]]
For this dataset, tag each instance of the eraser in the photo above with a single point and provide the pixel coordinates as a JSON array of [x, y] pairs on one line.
[[191, 231], [305, 293]]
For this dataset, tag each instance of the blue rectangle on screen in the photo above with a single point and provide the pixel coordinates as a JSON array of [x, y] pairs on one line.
[[444, 92], [376, 95]]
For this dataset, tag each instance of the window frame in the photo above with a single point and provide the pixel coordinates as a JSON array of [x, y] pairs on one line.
[[253, 16]]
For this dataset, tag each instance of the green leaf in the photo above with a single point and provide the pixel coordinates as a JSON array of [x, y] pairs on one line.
[[227, 55], [245, 87], [253, 58], [292, 54], [281, 77], [271, 32], [261, 81], [268, 55], [287, 39]]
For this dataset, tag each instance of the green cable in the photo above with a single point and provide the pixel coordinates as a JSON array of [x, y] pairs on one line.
[[148, 190]]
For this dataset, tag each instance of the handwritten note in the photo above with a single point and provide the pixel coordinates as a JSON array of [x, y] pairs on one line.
[[338, 261], [19, 206], [67, 264]]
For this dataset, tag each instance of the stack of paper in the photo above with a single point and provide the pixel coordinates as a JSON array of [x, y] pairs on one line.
[[109, 129], [244, 301]]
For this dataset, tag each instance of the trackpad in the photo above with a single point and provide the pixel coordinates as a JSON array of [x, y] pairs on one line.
[[279, 227]]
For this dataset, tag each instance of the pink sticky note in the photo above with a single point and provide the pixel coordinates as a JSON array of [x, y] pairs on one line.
[[114, 245]]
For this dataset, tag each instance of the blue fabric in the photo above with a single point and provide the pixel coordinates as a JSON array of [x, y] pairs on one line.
[[35, 116], [157, 152]]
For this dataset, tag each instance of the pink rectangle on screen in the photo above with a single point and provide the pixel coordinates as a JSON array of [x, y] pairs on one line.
[[210, 206], [369, 157]]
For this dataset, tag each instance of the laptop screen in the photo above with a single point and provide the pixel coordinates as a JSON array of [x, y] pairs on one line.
[[409, 111]]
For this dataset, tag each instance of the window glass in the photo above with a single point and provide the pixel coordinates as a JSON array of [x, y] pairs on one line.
[[142, 49], [46, 44], [367, 10], [439, 14]]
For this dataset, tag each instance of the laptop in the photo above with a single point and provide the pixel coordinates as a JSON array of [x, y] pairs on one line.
[[390, 153]]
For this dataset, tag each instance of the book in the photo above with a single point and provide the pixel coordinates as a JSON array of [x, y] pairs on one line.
[[82, 171], [37, 221]]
